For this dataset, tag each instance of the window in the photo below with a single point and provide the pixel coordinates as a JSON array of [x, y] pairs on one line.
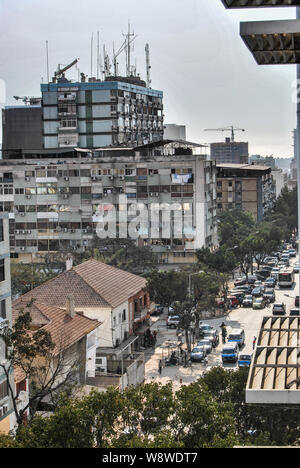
[[124, 315], [3, 390], [1, 231], [2, 270], [3, 309]]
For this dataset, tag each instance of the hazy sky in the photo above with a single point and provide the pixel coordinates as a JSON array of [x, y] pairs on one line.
[[208, 76]]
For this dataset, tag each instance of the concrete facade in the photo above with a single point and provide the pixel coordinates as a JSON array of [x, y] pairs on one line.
[[54, 205], [6, 408], [247, 187]]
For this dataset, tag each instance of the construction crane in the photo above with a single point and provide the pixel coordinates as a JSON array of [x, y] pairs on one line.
[[226, 129], [61, 72]]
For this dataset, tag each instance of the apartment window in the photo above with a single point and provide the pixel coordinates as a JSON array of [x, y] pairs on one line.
[[3, 309], [2, 270], [124, 315], [3, 390], [1, 231]]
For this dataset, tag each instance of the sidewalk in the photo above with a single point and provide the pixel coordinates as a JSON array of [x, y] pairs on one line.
[[178, 375]]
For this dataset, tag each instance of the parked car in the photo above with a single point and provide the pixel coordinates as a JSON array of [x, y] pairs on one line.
[[270, 283], [246, 289], [279, 309], [173, 321], [235, 302], [292, 252], [263, 272], [259, 303], [240, 281], [198, 354], [207, 345], [158, 310], [239, 294], [257, 292], [275, 272], [204, 328], [251, 279], [295, 311], [230, 353], [213, 336], [236, 335], [247, 302], [244, 360], [296, 268], [297, 301], [269, 295]]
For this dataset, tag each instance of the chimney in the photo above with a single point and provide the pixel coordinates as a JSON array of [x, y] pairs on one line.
[[70, 306], [69, 263]]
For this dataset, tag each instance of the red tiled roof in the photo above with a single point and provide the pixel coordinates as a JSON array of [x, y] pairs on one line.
[[92, 283], [64, 329]]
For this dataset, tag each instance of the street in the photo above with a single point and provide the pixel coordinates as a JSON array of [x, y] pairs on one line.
[[246, 318]]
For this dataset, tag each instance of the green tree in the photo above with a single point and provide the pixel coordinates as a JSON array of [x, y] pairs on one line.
[[167, 287], [25, 277]]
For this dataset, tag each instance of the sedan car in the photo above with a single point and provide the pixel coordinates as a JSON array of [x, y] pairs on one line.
[[269, 295], [198, 354], [257, 292], [293, 253], [206, 344], [240, 281], [295, 312], [213, 336], [258, 303], [251, 279], [296, 268], [173, 321], [247, 302], [270, 283], [279, 309]]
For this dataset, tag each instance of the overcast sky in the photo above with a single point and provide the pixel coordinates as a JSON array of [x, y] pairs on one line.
[[208, 76]]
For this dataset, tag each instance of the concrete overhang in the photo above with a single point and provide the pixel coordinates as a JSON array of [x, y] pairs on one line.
[[259, 3], [273, 42]]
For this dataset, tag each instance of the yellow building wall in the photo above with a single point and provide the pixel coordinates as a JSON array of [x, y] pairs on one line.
[[5, 425]]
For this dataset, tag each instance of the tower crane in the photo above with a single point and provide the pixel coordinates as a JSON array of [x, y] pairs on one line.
[[231, 129]]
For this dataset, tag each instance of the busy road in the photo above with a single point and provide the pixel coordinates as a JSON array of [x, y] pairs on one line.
[[245, 318]]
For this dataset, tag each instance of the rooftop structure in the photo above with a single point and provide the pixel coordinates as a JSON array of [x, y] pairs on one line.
[[274, 373]]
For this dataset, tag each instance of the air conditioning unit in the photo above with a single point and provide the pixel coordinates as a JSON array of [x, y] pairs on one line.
[[94, 178], [65, 230], [66, 195], [22, 248], [17, 232], [28, 196], [85, 231], [29, 231], [122, 178], [157, 194], [23, 232], [27, 179], [22, 214], [66, 178], [110, 177]]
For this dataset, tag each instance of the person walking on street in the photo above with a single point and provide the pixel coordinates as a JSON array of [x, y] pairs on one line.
[[160, 366], [254, 342]]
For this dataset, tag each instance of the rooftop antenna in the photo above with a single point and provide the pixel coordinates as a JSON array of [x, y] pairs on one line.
[[47, 57], [92, 46], [148, 66], [98, 54], [130, 37]]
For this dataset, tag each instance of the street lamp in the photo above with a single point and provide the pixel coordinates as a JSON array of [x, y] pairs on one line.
[[274, 43]]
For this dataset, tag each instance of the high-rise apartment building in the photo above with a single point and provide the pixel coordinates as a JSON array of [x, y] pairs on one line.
[[54, 203]]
